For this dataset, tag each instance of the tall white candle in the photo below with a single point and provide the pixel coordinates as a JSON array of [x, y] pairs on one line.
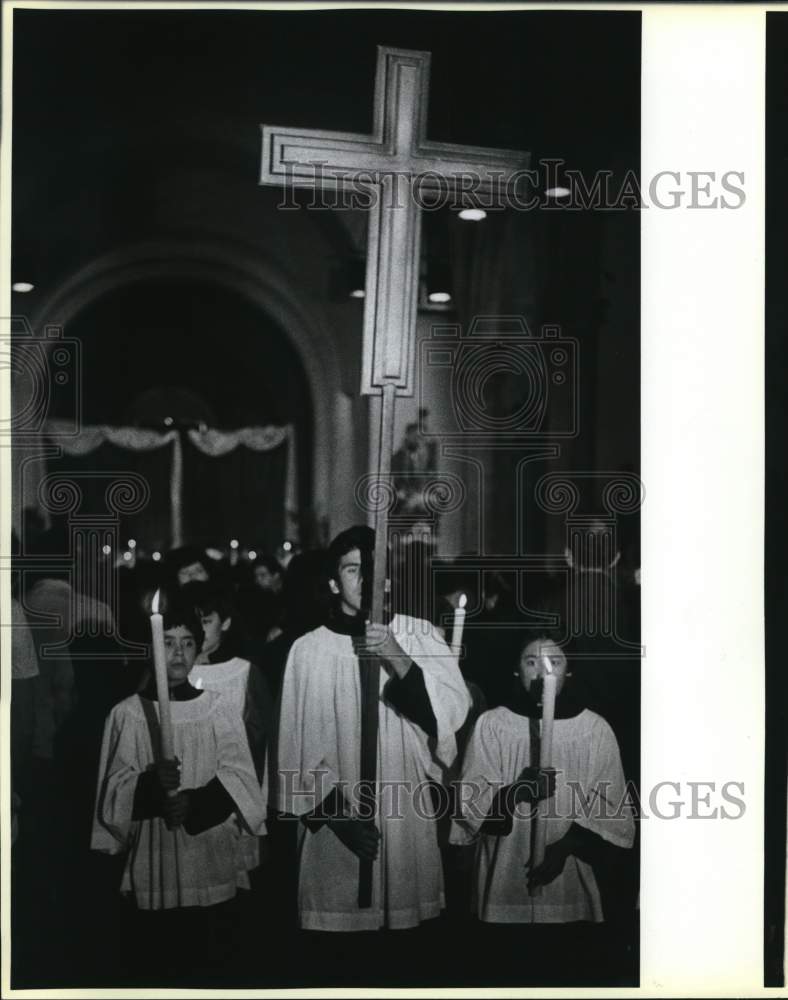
[[549, 683], [162, 685], [459, 624]]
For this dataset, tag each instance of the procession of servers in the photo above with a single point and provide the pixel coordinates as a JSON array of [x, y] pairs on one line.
[[285, 790]]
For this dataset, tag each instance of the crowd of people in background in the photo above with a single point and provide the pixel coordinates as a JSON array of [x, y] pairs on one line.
[[235, 632]]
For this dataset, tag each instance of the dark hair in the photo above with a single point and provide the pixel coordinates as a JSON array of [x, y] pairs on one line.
[[549, 607], [178, 612], [207, 596], [176, 559], [305, 593], [358, 537], [270, 562]]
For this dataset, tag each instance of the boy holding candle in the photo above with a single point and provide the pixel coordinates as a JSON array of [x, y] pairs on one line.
[[580, 801], [177, 819]]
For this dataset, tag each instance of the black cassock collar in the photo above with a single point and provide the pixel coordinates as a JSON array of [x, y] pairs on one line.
[[342, 624], [181, 692], [568, 704]]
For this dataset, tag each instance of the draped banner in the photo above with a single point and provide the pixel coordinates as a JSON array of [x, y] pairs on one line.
[[260, 505]]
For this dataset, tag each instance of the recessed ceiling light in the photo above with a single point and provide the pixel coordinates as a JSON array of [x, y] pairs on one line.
[[358, 293], [473, 214], [22, 286], [557, 192], [439, 297]]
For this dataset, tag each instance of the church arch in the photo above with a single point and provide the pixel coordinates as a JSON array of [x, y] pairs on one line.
[[250, 274]]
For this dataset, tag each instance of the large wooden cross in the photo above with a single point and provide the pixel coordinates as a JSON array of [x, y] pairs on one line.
[[399, 167]]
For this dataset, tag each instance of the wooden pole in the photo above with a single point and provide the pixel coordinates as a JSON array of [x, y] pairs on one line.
[[545, 760], [370, 665]]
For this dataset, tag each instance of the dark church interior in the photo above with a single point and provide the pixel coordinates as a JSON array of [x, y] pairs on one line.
[[210, 331]]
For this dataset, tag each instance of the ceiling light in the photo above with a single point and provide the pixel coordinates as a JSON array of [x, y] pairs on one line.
[[439, 297], [357, 293], [557, 192], [22, 286], [473, 214]]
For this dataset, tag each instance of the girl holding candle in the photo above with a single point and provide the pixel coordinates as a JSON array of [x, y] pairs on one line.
[[585, 814]]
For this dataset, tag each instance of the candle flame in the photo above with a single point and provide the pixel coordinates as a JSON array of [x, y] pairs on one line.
[[155, 603], [462, 601]]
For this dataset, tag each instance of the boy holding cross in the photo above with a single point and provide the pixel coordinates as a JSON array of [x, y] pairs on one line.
[[422, 702]]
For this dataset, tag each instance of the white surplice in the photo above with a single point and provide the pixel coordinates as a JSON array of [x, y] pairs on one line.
[[230, 679], [590, 791], [319, 750], [169, 868]]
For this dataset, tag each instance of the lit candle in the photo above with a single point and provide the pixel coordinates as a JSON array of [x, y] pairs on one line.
[[459, 623], [549, 683], [132, 546], [233, 551], [162, 685]]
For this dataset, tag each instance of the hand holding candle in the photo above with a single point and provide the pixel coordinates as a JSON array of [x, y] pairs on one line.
[[459, 623]]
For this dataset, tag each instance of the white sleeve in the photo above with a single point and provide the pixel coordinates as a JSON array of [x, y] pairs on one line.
[[608, 812], [446, 688], [307, 765], [119, 770], [235, 767], [482, 778]]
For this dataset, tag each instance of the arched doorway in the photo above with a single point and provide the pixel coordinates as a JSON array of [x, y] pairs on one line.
[[267, 289], [195, 353]]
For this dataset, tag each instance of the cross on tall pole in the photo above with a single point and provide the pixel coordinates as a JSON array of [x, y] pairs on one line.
[[398, 166]]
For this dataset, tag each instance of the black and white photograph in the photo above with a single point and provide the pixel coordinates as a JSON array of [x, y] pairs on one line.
[[325, 500]]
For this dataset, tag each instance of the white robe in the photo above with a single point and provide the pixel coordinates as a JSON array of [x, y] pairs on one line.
[[230, 680], [319, 748], [169, 868], [585, 751]]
